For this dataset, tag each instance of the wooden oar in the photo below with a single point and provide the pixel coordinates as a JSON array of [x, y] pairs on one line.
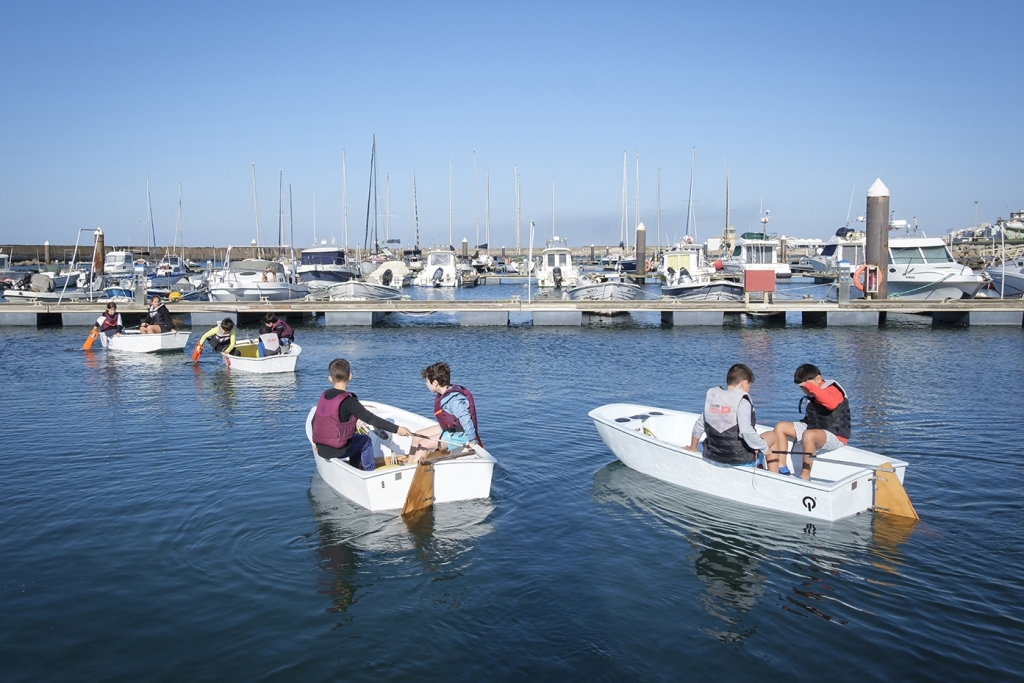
[[890, 496], [94, 334], [421, 490], [198, 351]]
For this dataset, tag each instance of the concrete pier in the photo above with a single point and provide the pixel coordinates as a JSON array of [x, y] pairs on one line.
[[693, 318], [558, 317], [979, 318], [840, 318], [357, 318], [483, 318]]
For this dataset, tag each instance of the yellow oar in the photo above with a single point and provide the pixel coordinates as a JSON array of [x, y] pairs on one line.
[[94, 334]]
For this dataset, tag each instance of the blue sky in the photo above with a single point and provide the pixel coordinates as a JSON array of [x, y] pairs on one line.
[[803, 101]]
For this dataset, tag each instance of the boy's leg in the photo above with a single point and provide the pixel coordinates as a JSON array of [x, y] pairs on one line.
[[784, 431], [421, 445], [812, 440], [360, 453]]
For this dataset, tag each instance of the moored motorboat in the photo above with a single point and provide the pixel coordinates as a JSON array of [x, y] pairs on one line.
[[1008, 278], [386, 487], [249, 359], [604, 287], [651, 440], [132, 340], [355, 290]]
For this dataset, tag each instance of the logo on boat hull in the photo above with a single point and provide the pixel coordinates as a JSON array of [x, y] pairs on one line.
[[809, 503]]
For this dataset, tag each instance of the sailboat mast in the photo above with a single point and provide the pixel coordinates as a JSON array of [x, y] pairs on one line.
[[177, 230], [552, 208], [487, 220], [387, 208], [256, 210], [476, 207], [450, 238], [291, 217], [151, 238], [689, 199], [415, 210], [636, 213], [344, 203], [369, 196], [515, 179], [622, 230], [657, 235], [280, 213]]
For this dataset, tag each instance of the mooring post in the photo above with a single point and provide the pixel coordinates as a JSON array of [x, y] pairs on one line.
[[876, 244], [46, 252], [465, 248], [641, 254], [98, 256]]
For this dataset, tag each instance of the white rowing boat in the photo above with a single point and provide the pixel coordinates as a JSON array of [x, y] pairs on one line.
[[133, 340], [651, 440], [385, 488], [249, 360]]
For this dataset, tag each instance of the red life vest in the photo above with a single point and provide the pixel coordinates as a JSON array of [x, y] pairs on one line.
[[450, 423], [109, 322], [283, 330], [328, 430]]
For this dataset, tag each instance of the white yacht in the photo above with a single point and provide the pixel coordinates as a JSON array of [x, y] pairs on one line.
[[923, 268], [1012, 274], [439, 270], [688, 276], [846, 245], [119, 264], [756, 249], [254, 280], [556, 268], [325, 266]]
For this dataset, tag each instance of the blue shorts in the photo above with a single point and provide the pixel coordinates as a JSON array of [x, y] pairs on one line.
[[454, 439], [759, 460]]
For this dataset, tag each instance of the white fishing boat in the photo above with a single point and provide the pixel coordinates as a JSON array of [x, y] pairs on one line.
[[604, 286], [119, 264], [324, 266], [846, 245], [250, 361], [923, 268], [651, 440], [440, 270], [254, 280], [355, 290], [756, 250], [134, 341], [688, 276], [394, 274], [556, 268], [1012, 274], [386, 487]]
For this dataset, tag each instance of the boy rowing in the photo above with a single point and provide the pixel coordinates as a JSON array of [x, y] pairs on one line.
[[454, 409]]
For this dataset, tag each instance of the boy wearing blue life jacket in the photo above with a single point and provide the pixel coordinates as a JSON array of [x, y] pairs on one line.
[[334, 424], [454, 409]]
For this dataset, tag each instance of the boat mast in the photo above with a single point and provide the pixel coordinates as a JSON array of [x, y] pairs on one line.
[[256, 211], [552, 208], [515, 178], [387, 208], [280, 213], [344, 203], [487, 219], [151, 238], [450, 239], [622, 230], [371, 195], [415, 210], [476, 206], [291, 215], [636, 213], [177, 230], [657, 234], [689, 201]]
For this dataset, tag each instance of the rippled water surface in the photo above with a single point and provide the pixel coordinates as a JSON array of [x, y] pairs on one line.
[[162, 521]]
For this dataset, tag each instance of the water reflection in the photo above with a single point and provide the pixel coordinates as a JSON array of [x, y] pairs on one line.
[[744, 557], [358, 548]]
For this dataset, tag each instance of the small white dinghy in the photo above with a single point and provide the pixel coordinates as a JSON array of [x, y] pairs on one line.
[[386, 487], [651, 440], [133, 340], [250, 361]]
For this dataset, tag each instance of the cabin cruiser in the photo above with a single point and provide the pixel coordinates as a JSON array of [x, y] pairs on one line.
[[254, 280], [440, 270], [167, 273], [923, 268], [391, 274], [556, 268], [846, 245], [756, 249], [688, 276], [119, 264], [324, 266], [604, 286], [1008, 278]]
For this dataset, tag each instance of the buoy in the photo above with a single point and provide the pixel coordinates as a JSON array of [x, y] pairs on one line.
[[718, 265], [856, 277]]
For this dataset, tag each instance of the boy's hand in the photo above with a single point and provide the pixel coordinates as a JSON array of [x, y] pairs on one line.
[[403, 431]]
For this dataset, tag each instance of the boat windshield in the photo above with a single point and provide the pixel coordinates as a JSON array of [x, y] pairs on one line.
[[936, 255], [323, 258], [905, 255], [440, 259], [854, 253], [829, 250], [760, 253]]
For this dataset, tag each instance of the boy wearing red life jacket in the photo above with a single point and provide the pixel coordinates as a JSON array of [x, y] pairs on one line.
[[334, 424], [454, 409], [826, 424]]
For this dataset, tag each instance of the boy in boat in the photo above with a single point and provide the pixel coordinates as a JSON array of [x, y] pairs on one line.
[[273, 327], [158, 318], [826, 424], [110, 322], [729, 422], [222, 337], [454, 409], [334, 424]]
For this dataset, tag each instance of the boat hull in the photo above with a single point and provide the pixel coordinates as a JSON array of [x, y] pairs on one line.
[[834, 492], [357, 291], [606, 291], [925, 285], [146, 343], [276, 291], [719, 290], [1014, 286], [249, 361], [386, 488]]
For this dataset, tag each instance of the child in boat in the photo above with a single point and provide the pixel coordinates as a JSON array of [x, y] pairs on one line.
[[729, 422], [110, 322], [158, 318], [334, 424], [455, 411], [826, 424], [222, 337], [267, 346]]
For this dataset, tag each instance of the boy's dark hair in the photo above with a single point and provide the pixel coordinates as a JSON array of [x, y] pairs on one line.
[[805, 373], [269, 318], [438, 372], [227, 324], [111, 306], [738, 373], [340, 370]]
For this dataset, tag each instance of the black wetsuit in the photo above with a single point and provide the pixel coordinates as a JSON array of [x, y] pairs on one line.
[[161, 317]]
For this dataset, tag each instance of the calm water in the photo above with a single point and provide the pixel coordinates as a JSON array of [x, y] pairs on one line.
[[165, 522]]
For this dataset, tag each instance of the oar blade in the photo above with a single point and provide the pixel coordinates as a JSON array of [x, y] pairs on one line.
[[421, 490], [198, 351], [94, 334], [890, 496]]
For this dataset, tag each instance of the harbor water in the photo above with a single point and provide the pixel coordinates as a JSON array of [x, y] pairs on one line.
[[165, 522]]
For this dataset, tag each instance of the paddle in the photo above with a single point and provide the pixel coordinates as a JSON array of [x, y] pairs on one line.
[[890, 496], [421, 490], [198, 351], [94, 334]]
